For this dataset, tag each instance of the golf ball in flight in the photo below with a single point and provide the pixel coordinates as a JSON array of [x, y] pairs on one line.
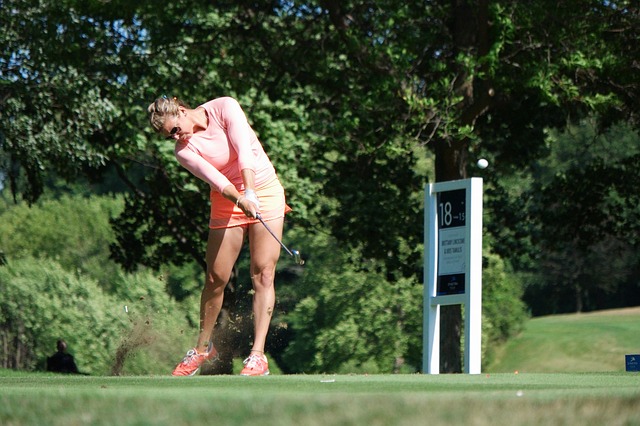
[[482, 163]]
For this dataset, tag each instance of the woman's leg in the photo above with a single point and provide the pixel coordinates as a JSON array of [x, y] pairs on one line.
[[223, 248], [265, 251]]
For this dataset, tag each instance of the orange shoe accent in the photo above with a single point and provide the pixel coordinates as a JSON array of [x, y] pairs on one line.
[[255, 365], [191, 363]]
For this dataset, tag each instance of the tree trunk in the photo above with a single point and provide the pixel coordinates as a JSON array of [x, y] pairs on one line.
[[578, 293], [469, 28], [450, 166]]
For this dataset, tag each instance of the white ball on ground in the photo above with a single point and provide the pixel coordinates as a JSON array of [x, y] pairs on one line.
[[482, 163]]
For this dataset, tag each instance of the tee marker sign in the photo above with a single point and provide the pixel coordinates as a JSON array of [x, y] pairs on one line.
[[453, 266]]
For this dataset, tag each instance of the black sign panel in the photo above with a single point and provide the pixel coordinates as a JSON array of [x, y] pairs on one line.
[[451, 242], [452, 208], [450, 284]]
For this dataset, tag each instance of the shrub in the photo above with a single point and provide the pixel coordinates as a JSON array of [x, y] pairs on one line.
[[355, 320], [40, 302], [72, 230]]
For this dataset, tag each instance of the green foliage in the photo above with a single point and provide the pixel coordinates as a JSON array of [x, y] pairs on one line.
[[58, 282], [503, 311], [40, 303], [590, 219], [579, 145], [158, 328], [353, 317], [570, 221], [51, 105], [345, 96], [73, 230], [358, 320]]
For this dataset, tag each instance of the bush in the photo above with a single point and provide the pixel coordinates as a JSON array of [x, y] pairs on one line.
[[159, 329], [353, 320], [40, 303], [74, 231], [503, 311]]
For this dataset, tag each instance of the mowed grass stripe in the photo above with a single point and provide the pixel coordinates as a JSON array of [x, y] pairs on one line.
[[301, 400], [545, 390], [585, 342]]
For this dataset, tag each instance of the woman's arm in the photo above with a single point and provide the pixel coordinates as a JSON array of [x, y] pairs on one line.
[[249, 201], [202, 169], [241, 135]]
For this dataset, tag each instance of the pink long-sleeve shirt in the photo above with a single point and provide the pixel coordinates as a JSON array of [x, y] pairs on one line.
[[218, 154]]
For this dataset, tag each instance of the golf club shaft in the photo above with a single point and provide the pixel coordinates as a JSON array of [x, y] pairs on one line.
[[274, 235]]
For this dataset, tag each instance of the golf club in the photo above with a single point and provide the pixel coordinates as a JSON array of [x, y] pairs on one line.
[[294, 253]]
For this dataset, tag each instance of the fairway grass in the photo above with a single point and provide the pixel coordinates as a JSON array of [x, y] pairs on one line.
[[484, 399], [561, 370], [573, 343]]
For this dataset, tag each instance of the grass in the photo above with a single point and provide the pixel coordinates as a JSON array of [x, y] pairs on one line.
[[604, 398], [536, 395], [596, 341]]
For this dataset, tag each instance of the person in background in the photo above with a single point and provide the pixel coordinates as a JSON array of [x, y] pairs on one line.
[[62, 361], [216, 144]]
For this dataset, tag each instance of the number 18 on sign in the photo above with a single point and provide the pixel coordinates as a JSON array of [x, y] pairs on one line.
[[453, 266]]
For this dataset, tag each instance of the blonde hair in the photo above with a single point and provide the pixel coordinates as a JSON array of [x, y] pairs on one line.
[[162, 108]]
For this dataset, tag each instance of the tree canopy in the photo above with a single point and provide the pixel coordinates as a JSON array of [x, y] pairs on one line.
[[358, 103]]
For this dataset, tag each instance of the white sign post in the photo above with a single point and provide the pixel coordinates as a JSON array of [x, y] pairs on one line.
[[453, 267]]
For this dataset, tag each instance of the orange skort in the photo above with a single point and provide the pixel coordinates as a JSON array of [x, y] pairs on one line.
[[225, 214]]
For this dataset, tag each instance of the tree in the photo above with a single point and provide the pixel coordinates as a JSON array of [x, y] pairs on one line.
[[51, 108], [570, 220], [351, 92], [482, 76], [73, 230], [57, 281]]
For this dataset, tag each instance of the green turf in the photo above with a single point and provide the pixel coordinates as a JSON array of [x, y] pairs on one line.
[[549, 389], [485, 399], [595, 341]]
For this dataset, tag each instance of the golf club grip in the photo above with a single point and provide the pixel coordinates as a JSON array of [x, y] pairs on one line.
[[272, 234]]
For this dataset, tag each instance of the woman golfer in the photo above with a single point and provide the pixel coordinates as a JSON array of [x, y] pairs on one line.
[[216, 143]]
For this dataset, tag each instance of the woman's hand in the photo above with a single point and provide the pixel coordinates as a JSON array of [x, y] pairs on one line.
[[249, 203]]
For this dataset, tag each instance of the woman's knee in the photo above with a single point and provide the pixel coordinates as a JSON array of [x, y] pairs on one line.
[[264, 277], [216, 282]]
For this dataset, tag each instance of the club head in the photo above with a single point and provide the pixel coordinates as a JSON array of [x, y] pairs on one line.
[[297, 258]]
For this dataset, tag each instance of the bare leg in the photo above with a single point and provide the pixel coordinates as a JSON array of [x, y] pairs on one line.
[[223, 248], [265, 251]]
